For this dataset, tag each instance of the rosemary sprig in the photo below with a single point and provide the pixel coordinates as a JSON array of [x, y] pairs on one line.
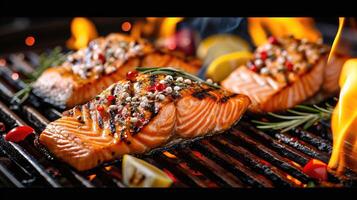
[[302, 115], [174, 72], [53, 58]]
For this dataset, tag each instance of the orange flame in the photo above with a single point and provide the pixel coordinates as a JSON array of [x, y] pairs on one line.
[[260, 28], [83, 31], [168, 26], [344, 121], [337, 39]]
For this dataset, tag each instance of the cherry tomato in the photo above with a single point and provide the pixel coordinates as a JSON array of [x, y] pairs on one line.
[[316, 169], [19, 133]]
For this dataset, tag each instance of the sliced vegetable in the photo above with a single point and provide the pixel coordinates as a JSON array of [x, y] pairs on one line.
[[225, 41], [138, 173], [221, 67], [19, 133]]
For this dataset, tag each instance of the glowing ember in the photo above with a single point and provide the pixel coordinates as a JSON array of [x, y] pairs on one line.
[[15, 76], [92, 177], [108, 168], [83, 31], [170, 155], [126, 26], [297, 182], [344, 121], [260, 28], [2, 62], [30, 41]]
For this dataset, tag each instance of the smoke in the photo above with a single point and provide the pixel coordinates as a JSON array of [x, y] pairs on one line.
[[206, 26]]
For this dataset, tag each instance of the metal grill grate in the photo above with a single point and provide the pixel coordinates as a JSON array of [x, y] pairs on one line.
[[241, 157]]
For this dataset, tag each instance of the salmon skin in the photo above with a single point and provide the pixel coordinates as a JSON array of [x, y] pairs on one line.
[[283, 73], [137, 116], [105, 61]]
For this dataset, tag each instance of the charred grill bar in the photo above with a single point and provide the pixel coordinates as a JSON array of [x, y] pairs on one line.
[[242, 157]]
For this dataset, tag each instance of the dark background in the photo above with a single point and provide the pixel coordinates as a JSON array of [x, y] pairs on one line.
[[50, 32]]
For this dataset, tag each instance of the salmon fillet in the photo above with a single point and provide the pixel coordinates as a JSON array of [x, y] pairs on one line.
[[105, 61], [283, 73], [332, 73], [137, 116]]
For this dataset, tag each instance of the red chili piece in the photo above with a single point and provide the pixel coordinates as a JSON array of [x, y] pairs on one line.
[[253, 68], [110, 98], [100, 108], [131, 75], [263, 55], [19, 133], [316, 169], [151, 88], [272, 40], [160, 86], [289, 66], [101, 57]]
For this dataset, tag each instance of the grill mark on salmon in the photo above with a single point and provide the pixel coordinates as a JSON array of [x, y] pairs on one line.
[[84, 146]]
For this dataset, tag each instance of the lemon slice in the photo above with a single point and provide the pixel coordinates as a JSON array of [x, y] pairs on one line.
[[228, 41], [222, 66], [138, 173]]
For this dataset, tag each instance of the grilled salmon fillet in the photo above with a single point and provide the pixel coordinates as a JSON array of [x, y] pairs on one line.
[[138, 115], [105, 61], [332, 73], [283, 73]]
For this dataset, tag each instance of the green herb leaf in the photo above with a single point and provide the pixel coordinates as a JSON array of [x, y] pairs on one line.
[[53, 58], [301, 115], [174, 72]]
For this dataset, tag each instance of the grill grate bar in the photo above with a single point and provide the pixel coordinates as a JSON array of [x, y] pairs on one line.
[[5, 171], [317, 141], [248, 176], [280, 147], [302, 146], [24, 153], [182, 169], [262, 151], [209, 168], [277, 176]]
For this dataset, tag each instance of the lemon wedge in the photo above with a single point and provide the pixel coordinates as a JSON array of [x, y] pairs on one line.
[[138, 173], [222, 66], [226, 41]]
